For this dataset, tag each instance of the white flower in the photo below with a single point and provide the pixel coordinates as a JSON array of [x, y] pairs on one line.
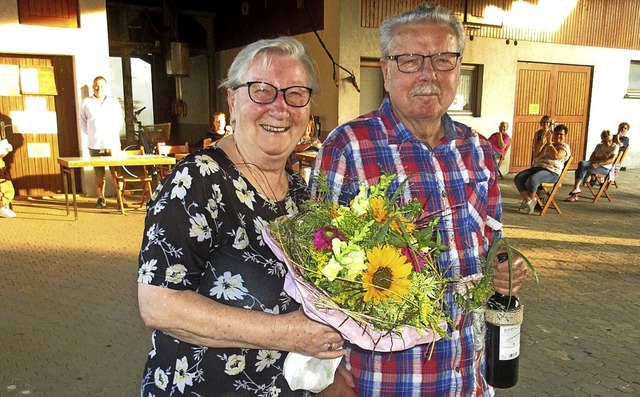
[[260, 224], [231, 287], [160, 379], [235, 365], [182, 376], [274, 391], [245, 196], [206, 164], [242, 240], [290, 207], [182, 181], [175, 273], [266, 358], [145, 273], [199, 228]]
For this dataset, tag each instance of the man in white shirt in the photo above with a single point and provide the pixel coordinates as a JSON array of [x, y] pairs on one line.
[[101, 119]]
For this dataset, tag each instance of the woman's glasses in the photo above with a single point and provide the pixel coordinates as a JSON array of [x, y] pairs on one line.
[[264, 93]]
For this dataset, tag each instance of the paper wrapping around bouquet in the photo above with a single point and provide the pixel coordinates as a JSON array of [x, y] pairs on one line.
[[309, 373], [363, 335]]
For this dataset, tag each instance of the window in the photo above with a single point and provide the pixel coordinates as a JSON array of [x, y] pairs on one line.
[[633, 89], [468, 97]]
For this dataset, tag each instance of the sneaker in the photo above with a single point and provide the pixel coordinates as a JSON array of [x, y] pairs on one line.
[[528, 207], [6, 212], [101, 203]]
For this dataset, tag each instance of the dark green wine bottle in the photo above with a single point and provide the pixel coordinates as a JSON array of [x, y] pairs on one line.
[[503, 318]]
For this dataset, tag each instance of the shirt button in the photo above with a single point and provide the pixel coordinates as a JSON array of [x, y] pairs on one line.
[[444, 193], [457, 369]]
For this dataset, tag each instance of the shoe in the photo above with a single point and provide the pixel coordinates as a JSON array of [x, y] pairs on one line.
[[101, 203], [529, 207], [6, 212], [572, 198], [575, 192]]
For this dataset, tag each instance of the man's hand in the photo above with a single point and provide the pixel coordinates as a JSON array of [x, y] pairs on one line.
[[519, 273]]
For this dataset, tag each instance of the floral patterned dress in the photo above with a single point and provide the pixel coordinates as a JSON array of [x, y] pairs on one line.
[[203, 233]]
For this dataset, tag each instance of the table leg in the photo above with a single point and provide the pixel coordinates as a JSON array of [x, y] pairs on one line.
[[65, 183], [73, 192]]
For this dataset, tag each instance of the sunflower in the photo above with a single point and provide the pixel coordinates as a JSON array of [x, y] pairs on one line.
[[386, 275]]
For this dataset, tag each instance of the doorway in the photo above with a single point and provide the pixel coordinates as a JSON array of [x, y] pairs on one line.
[[560, 91]]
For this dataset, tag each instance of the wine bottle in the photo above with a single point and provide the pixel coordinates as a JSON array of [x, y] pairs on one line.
[[503, 318]]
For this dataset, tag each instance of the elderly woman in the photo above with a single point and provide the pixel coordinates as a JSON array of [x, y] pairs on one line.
[[209, 286], [550, 155], [599, 163]]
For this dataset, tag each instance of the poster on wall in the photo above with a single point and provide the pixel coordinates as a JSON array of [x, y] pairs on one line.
[[34, 122], [38, 80], [9, 80]]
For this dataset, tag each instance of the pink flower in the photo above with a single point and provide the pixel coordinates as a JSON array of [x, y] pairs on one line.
[[322, 237], [418, 258]]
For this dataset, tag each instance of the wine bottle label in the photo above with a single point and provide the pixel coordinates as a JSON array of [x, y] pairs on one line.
[[500, 317], [509, 342]]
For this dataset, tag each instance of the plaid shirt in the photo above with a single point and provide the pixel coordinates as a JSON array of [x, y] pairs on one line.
[[455, 181]]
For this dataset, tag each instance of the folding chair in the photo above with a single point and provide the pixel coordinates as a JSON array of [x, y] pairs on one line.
[[551, 189], [170, 150], [607, 179], [122, 178], [502, 161]]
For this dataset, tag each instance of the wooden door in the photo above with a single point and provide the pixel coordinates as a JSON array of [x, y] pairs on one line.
[[560, 91], [33, 163]]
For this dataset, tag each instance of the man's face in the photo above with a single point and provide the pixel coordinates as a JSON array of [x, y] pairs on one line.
[[426, 94], [100, 88]]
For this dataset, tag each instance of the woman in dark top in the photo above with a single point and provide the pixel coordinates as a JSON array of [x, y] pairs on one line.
[[208, 285]]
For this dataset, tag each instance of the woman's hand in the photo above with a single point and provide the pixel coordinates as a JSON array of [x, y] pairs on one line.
[[311, 338], [519, 273], [342, 386]]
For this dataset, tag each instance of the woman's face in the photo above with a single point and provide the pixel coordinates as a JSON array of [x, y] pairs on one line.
[[274, 129], [559, 136], [607, 140]]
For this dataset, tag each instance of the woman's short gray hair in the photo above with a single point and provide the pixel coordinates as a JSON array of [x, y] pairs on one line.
[[427, 13], [281, 46]]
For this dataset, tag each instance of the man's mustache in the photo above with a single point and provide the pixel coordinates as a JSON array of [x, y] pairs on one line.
[[425, 89]]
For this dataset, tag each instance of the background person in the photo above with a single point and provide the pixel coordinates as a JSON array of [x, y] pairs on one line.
[[500, 140], [551, 154], [621, 139], [543, 134], [209, 286], [452, 173], [600, 162], [219, 129], [101, 119], [7, 191]]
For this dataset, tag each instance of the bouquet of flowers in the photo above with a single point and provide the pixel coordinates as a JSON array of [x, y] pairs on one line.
[[367, 268]]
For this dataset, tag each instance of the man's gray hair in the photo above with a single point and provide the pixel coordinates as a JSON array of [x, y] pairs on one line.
[[281, 46], [427, 13]]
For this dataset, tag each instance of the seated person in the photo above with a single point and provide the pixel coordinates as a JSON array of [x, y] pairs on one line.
[[500, 141], [550, 155], [621, 138], [309, 140], [600, 162], [543, 133], [219, 129], [7, 191]]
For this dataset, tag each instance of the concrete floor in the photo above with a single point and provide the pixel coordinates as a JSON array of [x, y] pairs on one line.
[[70, 326]]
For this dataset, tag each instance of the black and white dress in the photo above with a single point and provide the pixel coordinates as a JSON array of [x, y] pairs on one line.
[[203, 233]]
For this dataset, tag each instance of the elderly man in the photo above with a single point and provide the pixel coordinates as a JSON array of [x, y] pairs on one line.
[[451, 171]]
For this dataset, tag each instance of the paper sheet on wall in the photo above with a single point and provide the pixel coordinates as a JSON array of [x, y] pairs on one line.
[[9, 80], [34, 122]]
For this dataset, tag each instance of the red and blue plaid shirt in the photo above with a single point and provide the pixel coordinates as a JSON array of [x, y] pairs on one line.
[[455, 181]]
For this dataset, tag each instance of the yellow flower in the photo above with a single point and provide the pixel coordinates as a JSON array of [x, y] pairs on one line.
[[386, 275], [409, 226], [378, 209]]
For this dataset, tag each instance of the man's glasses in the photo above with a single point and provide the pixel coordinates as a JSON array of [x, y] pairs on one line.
[[411, 63], [264, 93]]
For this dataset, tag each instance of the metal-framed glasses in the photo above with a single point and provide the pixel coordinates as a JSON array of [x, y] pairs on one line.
[[411, 63], [264, 93]]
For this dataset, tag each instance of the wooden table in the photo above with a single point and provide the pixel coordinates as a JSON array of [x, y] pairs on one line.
[[67, 164], [307, 157]]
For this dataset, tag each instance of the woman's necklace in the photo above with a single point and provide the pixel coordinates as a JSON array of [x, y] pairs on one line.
[[248, 165]]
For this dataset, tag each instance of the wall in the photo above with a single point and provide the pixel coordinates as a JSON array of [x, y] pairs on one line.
[[610, 73], [88, 45]]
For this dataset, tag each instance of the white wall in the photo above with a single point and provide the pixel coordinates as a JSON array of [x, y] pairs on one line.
[[88, 45]]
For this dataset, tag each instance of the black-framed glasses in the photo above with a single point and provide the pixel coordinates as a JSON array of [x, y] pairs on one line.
[[411, 63], [264, 93]]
